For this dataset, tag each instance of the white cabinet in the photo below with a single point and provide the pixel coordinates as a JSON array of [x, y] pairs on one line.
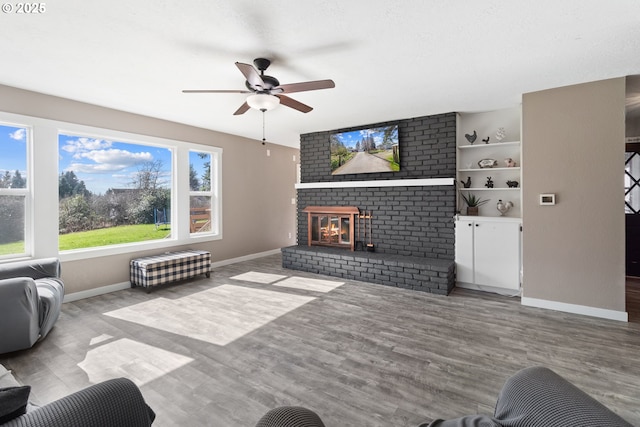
[[488, 253], [485, 125]]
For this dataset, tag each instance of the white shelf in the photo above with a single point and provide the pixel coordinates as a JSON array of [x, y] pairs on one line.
[[490, 189], [493, 144], [515, 168], [420, 182]]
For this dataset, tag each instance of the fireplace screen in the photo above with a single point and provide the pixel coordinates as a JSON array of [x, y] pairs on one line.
[[331, 225], [331, 229]]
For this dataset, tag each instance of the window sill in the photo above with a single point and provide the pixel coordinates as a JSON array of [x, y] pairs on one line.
[[132, 248]]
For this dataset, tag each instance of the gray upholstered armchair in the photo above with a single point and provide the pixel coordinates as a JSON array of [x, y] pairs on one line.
[[31, 294]]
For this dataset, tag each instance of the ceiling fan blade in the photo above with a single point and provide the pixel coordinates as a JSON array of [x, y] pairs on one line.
[[250, 74], [304, 86], [292, 103], [243, 109], [214, 91]]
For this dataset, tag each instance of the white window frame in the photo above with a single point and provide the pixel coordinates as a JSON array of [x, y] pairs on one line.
[[42, 205], [26, 192], [214, 192]]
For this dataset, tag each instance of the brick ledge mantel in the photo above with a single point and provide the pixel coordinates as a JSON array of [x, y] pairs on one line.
[[425, 182]]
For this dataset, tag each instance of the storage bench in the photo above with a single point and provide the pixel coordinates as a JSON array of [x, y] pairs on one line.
[[169, 267]]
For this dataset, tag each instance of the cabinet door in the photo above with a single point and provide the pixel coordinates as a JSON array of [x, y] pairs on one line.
[[497, 254], [464, 251]]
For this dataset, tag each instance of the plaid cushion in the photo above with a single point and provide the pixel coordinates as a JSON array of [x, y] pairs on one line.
[[169, 267]]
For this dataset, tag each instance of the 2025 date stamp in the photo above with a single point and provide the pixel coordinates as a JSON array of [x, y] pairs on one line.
[[24, 8]]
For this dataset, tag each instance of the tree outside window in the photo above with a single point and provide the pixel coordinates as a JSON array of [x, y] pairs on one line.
[[201, 215], [110, 192]]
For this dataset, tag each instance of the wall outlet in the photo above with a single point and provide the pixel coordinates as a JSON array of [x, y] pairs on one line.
[[289, 235], [268, 152], [294, 157], [293, 201]]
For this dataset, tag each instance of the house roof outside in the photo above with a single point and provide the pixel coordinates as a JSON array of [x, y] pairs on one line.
[[390, 60]]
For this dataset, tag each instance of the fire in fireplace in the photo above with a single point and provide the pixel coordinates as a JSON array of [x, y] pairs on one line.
[[332, 225]]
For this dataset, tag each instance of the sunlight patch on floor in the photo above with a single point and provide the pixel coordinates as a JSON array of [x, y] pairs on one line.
[[294, 282], [257, 277], [139, 362], [316, 285], [218, 315], [99, 339]]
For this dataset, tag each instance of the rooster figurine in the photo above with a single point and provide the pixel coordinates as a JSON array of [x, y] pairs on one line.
[[471, 138]]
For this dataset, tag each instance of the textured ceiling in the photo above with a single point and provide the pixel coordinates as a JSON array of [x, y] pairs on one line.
[[389, 59]]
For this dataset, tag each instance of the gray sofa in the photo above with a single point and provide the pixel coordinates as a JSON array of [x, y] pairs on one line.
[[31, 294], [117, 402], [532, 397]]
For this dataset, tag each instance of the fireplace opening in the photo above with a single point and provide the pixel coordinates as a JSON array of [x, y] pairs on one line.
[[330, 229], [331, 225]]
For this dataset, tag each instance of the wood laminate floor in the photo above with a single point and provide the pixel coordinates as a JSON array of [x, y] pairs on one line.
[[223, 351]]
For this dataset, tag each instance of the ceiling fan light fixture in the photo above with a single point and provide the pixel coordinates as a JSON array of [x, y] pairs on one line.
[[263, 101]]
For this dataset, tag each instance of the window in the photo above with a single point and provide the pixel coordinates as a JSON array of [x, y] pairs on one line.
[[14, 190], [202, 215], [632, 181], [89, 192], [112, 192]]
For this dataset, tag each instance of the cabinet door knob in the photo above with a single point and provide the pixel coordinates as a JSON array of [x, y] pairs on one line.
[[469, 224], [477, 225]]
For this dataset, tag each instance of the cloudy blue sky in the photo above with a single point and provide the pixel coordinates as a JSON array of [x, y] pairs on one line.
[[13, 150], [350, 139], [100, 163], [104, 164]]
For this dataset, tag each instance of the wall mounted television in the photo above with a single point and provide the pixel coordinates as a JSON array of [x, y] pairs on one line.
[[366, 150]]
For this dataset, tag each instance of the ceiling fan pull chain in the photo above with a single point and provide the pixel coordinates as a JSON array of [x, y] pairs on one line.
[[263, 138]]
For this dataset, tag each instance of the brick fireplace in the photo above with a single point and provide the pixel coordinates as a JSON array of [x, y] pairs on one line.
[[414, 209]]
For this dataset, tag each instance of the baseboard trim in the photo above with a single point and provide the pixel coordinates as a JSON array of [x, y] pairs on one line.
[[621, 316], [96, 291], [126, 285], [244, 258]]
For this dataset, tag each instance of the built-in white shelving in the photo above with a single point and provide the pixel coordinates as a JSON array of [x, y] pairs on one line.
[[488, 246], [485, 125]]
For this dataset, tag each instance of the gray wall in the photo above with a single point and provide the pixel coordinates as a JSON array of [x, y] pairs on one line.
[[573, 146], [415, 221], [257, 189]]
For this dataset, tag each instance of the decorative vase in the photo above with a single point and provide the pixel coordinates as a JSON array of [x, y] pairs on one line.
[[504, 207], [500, 134], [472, 210]]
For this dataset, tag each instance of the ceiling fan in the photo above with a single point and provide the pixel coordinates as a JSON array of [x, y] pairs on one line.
[[267, 92]]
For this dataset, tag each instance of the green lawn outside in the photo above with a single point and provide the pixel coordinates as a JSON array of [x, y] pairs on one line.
[[12, 248], [101, 237]]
